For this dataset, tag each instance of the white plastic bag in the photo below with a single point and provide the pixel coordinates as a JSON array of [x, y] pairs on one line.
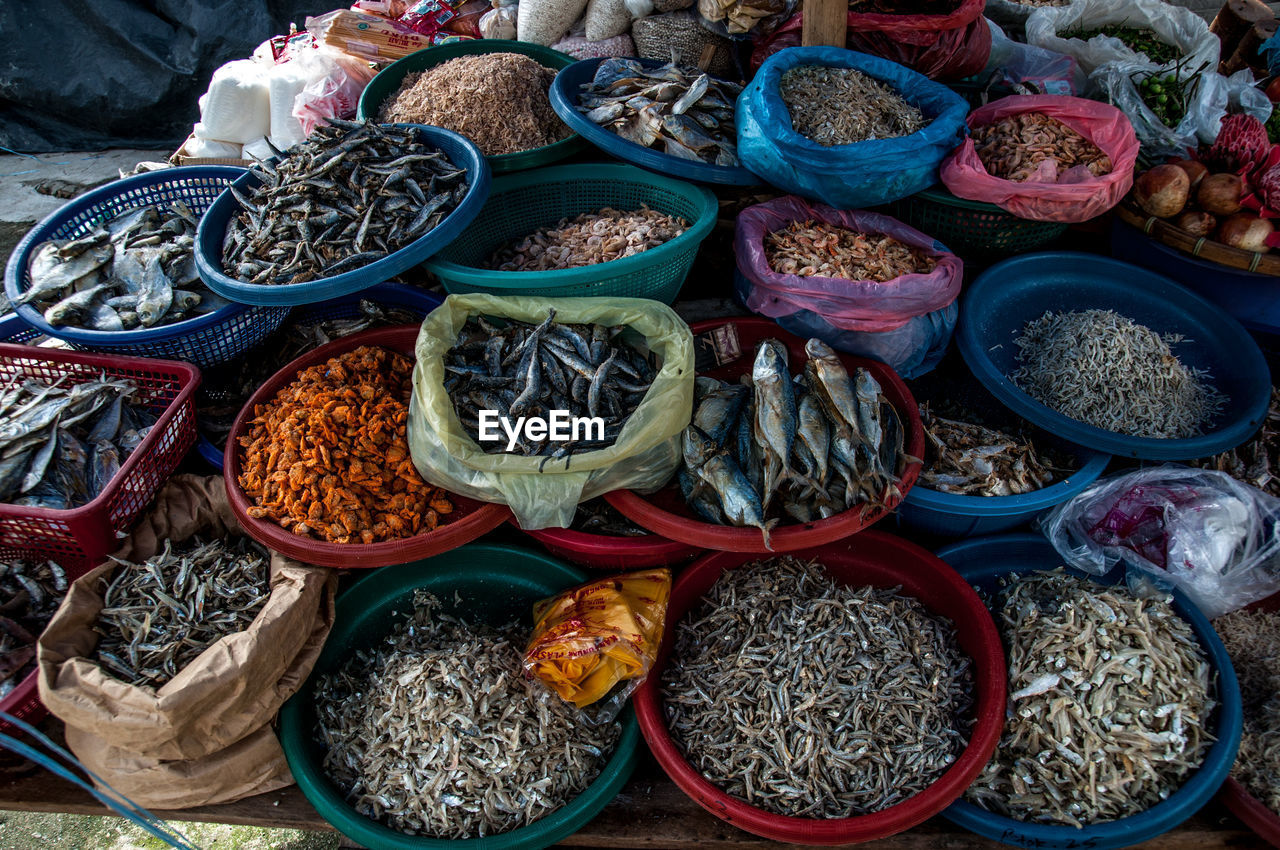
[[1211, 536], [1182, 28], [1047, 71], [499, 23], [335, 93], [237, 108]]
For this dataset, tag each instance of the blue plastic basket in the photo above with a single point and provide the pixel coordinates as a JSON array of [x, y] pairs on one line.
[[982, 562], [564, 99], [1006, 296], [213, 228], [204, 340], [16, 331]]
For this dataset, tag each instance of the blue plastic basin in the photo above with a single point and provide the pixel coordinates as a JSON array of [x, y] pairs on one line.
[[982, 562], [1011, 293]]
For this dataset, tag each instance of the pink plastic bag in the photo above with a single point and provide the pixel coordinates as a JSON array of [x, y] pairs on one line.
[[1072, 199], [862, 305], [336, 94]]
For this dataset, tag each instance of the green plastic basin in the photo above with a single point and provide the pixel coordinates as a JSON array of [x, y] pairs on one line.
[[495, 584]]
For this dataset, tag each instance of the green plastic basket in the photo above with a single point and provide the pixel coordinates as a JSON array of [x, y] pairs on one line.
[[388, 80], [519, 204], [974, 228]]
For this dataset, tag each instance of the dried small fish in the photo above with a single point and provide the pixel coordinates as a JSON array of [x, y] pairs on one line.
[[810, 249], [436, 731], [840, 106], [810, 698], [158, 615], [1257, 462], [349, 195], [973, 460], [1109, 696], [1036, 148], [30, 593], [1106, 370], [1252, 639], [596, 516], [589, 239]]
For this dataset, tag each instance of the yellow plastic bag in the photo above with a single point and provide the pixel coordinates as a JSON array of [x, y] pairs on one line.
[[540, 494], [590, 638]]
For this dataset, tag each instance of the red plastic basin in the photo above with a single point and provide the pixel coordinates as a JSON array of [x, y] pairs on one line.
[[607, 552], [667, 514], [469, 519], [880, 560]]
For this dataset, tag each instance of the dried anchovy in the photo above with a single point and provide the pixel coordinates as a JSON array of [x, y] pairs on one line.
[[1034, 147], [1252, 639], [1108, 371], [840, 106], [157, 616], [596, 516], [973, 460], [811, 249], [589, 239], [30, 593], [1109, 697], [1257, 462], [348, 196], [437, 731], [809, 698]]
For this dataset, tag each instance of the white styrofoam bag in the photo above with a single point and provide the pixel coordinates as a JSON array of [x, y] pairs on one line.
[[238, 108]]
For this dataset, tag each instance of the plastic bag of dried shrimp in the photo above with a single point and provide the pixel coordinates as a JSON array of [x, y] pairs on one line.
[[1056, 28], [542, 491], [1069, 194]]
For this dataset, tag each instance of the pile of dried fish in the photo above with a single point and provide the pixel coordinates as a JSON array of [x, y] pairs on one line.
[[62, 443], [810, 698], [810, 249], [348, 196], [589, 239], [524, 370], [973, 460], [596, 516], [134, 270], [1106, 370], [674, 109], [1034, 147], [157, 616], [497, 100], [30, 593], [816, 446], [437, 731], [840, 106], [328, 457], [1257, 462], [1252, 639], [1109, 695]]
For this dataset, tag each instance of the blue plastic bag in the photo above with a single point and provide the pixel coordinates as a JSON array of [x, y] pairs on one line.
[[852, 176]]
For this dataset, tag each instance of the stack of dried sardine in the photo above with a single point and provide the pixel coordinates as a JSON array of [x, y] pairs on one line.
[[1106, 370], [674, 109], [1109, 697], [1034, 147], [30, 593], [133, 270], [809, 698], [589, 239], [840, 106], [1252, 639], [596, 516], [972, 460], [438, 732], [62, 443], [157, 616], [819, 249], [525, 370], [815, 446], [348, 196], [1257, 462]]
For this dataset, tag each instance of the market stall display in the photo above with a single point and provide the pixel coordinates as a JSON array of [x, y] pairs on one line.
[[603, 539]]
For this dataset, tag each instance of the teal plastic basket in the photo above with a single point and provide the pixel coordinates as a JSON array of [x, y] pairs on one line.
[[521, 203]]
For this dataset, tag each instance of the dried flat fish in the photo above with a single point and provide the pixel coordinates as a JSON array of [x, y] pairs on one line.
[[840, 106], [589, 239], [436, 731], [1106, 370], [810, 698], [1252, 639], [1037, 148], [30, 593], [972, 460], [1109, 697], [809, 249]]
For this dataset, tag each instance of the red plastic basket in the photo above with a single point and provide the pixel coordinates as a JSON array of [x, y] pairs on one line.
[[88, 533], [607, 552], [667, 514], [879, 560], [469, 520]]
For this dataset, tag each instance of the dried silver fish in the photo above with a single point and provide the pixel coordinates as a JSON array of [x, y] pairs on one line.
[[840, 106], [30, 593], [973, 460], [1252, 639]]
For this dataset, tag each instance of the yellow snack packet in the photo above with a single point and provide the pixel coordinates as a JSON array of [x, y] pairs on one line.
[[588, 639]]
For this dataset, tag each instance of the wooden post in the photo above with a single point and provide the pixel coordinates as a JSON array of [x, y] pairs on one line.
[[824, 23], [1234, 19], [1246, 53]]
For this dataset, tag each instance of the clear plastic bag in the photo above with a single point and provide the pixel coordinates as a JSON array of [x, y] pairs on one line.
[[742, 19], [1213, 537], [334, 94], [1048, 27], [542, 494], [1016, 63]]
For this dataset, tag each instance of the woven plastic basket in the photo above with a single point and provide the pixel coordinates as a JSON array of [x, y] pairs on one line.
[[973, 228], [204, 340], [522, 203]]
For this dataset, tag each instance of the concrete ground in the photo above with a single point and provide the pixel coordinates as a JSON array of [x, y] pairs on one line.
[[31, 831]]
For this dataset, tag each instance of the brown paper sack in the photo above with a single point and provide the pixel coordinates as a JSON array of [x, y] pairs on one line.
[[231, 690], [253, 765]]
